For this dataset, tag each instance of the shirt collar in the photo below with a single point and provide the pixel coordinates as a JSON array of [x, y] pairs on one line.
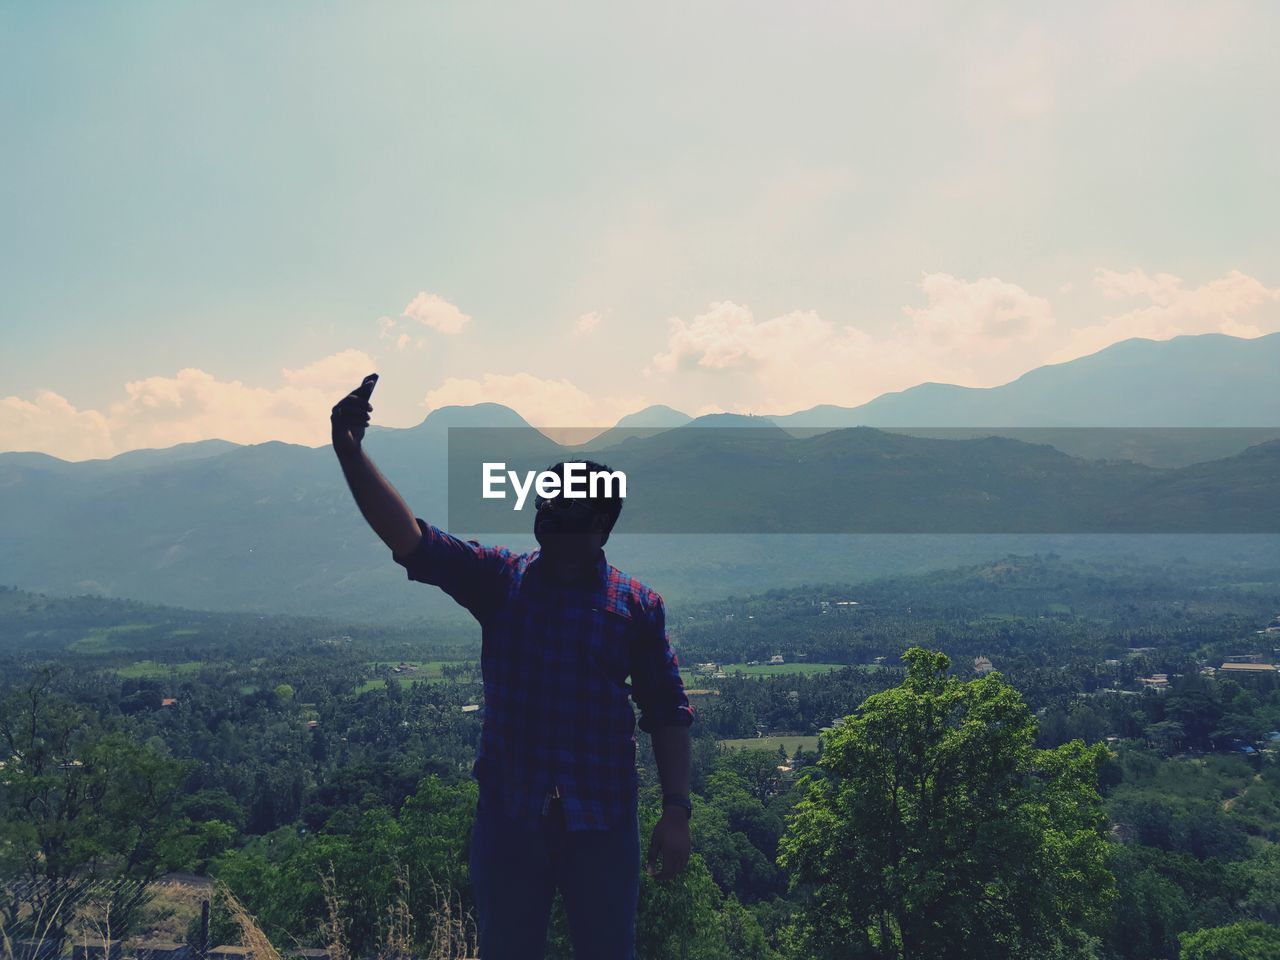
[[593, 576]]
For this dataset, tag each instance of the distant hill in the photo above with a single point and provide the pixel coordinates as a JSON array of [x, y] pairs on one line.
[[130, 460], [111, 632], [182, 452], [867, 480], [657, 415], [1162, 403], [1210, 380], [658, 419], [35, 624], [476, 415], [641, 423], [272, 527]]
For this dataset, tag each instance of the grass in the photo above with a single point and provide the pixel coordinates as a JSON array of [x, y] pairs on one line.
[[447, 932], [771, 744], [108, 639], [82, 912], [176, 904], [765, 670], [154, 668], [426, 668], [429, 671]]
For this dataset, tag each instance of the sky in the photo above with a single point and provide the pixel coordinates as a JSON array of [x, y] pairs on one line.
[[215, 219]]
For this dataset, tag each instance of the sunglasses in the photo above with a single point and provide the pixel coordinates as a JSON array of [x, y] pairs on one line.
[[565, 505]]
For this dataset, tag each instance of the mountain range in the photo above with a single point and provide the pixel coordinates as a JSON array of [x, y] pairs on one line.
[[271, 527]]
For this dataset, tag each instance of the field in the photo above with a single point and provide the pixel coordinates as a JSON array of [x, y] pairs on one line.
[[109, 639], [771, 744], [764, 670], [151, 668], [428, 671]]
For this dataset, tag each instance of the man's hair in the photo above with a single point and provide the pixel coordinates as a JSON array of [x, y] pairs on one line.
[[610, 505]]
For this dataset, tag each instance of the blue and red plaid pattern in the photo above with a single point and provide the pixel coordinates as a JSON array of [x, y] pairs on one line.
[[555, 659]]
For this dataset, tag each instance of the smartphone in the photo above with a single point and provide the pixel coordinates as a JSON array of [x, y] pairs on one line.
[[365, 389]]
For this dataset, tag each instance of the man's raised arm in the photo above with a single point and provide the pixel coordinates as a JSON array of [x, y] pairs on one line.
[[382, 506]]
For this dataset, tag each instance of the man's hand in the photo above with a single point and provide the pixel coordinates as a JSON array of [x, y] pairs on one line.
[[350, 416], [671, 841]]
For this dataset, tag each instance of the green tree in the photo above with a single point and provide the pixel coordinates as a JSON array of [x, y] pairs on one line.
[[1259, 879], [1250, 940], [78, 803], [279, 877], [942, 832], [679, 919], [743, 936], [687, 917]]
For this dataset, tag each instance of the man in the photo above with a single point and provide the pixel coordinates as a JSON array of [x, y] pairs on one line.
[[562, 630]]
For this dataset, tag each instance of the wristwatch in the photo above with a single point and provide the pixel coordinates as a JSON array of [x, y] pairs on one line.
[[676, 800]]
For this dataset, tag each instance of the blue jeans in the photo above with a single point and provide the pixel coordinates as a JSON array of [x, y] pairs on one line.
[[515, 870]]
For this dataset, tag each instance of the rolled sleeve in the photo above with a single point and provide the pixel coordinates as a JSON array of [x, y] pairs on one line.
[[656, 686], [467, 571]]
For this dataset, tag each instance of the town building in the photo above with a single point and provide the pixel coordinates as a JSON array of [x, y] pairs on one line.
[[1247, 669], [97, 950], [162, 950]]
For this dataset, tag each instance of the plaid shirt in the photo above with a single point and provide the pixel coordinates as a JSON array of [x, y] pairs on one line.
[[555, 659]]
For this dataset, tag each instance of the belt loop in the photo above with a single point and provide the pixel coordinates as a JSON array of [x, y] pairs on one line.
[[552, 794]]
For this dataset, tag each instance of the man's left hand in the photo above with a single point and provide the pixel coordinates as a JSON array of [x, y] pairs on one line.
[[670, 841]]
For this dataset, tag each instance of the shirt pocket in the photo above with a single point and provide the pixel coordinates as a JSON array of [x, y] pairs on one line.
[[608, 640]]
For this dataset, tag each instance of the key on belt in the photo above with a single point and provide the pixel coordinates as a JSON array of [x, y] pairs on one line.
[[552, 794]]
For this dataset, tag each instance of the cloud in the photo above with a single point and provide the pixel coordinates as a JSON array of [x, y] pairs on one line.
[[990, 310], [341, 371], [403, 340], [429, 310], [979, 333], [587, 322], [1117, 286], [728, 336], [50, 424], [1236, 304], [727, 358], [436, 312], [975, 332], [543, 402], [192, 405]]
